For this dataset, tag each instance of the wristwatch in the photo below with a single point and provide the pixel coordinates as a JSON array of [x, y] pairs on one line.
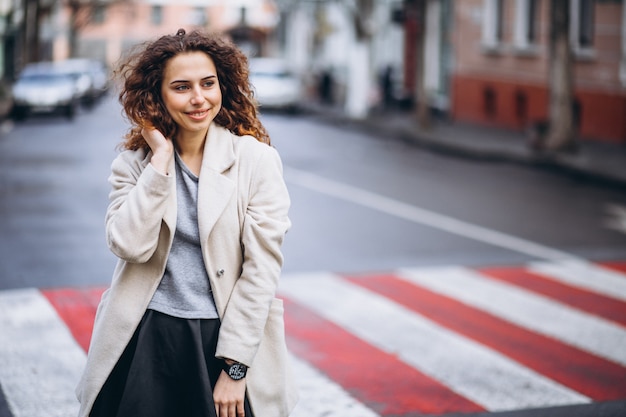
[[236, 370]]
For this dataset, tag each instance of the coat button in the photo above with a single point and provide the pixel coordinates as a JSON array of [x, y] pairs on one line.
[[220, 272]]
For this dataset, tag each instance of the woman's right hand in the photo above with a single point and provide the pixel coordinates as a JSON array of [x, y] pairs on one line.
[[162, 148]]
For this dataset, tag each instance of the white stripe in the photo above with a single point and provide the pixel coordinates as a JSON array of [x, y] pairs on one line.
[[584, 275], [526, 309], [40, 362], [466, 367], [320, 396], [419, 215]]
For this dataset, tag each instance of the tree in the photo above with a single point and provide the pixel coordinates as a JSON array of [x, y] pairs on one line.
[[81, 14], [34, 12], [561, 132]]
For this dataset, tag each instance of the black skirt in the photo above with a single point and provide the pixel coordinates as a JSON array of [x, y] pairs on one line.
[[168, 369]]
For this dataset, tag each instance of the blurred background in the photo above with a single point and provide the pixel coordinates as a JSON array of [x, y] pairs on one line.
[[490, 62], [457, 171]]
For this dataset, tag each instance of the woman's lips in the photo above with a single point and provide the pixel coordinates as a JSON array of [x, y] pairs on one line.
[[198, 114]]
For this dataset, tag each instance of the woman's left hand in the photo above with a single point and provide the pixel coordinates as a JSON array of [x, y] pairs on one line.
[[228, 396]]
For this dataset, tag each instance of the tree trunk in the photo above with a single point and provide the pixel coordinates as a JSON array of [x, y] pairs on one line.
[[31, 31], [561, 132], [73, 29], [423, 108]]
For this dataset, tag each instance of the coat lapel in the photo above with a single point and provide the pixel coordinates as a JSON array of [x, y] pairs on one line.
[[214, 189], [171, 210]]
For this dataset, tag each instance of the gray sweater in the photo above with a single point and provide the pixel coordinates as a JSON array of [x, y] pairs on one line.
[[185, 290]]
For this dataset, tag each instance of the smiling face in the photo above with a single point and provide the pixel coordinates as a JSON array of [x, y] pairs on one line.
[[191, 93]]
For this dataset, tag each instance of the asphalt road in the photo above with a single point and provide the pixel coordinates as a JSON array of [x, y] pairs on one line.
[[360, 204], [53, 179]]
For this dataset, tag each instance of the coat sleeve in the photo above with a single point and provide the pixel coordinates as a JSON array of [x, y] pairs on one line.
[[137, 203], [265, 224]]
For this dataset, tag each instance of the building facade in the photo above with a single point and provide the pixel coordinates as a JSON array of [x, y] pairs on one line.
[[501, 54], [112, 27], [482, 61]]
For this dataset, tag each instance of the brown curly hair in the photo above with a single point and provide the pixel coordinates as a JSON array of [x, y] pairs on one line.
[[142, 75]]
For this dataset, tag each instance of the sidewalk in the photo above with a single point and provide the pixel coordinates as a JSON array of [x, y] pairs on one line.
[[594, 160]]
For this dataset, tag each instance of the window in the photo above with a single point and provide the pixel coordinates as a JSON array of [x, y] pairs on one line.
[[585, 23], [499, 20], [526, 24], [531, 23], [197, 16], [156, 16], [98, 15], [582, 28], [493, 23]]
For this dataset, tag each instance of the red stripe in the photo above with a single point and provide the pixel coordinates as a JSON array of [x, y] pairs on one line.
[[77, 308], [618, 266], [378, 379], [593, 303], [590, 375]]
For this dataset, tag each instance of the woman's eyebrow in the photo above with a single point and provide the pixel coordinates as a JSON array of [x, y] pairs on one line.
[[186, 81]]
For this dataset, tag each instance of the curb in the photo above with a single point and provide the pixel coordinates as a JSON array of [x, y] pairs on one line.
[[576, 165]]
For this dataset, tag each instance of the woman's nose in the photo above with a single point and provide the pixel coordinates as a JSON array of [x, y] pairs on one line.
[[197, 96]]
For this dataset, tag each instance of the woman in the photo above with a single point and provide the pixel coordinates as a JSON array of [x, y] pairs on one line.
[[197, 215]]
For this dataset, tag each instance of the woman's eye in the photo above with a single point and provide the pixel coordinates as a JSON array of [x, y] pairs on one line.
[[181, 88], [209, 83]]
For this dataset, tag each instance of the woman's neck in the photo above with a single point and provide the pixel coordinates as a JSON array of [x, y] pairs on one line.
[[190, 145], [191, 150]]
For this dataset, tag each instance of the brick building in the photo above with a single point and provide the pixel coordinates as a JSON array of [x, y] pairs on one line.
[[501, 57]]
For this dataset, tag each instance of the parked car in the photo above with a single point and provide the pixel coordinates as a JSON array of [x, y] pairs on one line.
[[40, 88], [90, 77], [274, 84]]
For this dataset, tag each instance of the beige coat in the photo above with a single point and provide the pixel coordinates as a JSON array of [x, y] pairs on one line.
[[242, 216]]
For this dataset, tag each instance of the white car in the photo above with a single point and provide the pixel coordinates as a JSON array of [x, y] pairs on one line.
[[42, 89], [275, 86], [89, 76]]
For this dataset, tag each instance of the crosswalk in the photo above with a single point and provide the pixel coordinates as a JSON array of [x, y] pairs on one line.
[[419, 341]]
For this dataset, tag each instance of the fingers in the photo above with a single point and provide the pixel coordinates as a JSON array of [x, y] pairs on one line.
[[151, 135], [228, 396], [230, 409]]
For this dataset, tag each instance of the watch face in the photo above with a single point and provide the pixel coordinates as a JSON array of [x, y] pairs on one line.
[[237, 371]]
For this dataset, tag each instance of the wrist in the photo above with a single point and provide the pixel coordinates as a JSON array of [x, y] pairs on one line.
[[161, 161], [234, 370]]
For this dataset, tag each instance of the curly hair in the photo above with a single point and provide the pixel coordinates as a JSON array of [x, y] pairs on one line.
[[142, 74]]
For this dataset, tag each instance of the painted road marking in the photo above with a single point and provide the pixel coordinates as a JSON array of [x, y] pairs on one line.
[[587, 374], [526, 309], [616, 217], [585, 275], [610, 308], [366, 370], [482, 375], [446, 351], [40, 361], [324, 397], [422, 216]]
